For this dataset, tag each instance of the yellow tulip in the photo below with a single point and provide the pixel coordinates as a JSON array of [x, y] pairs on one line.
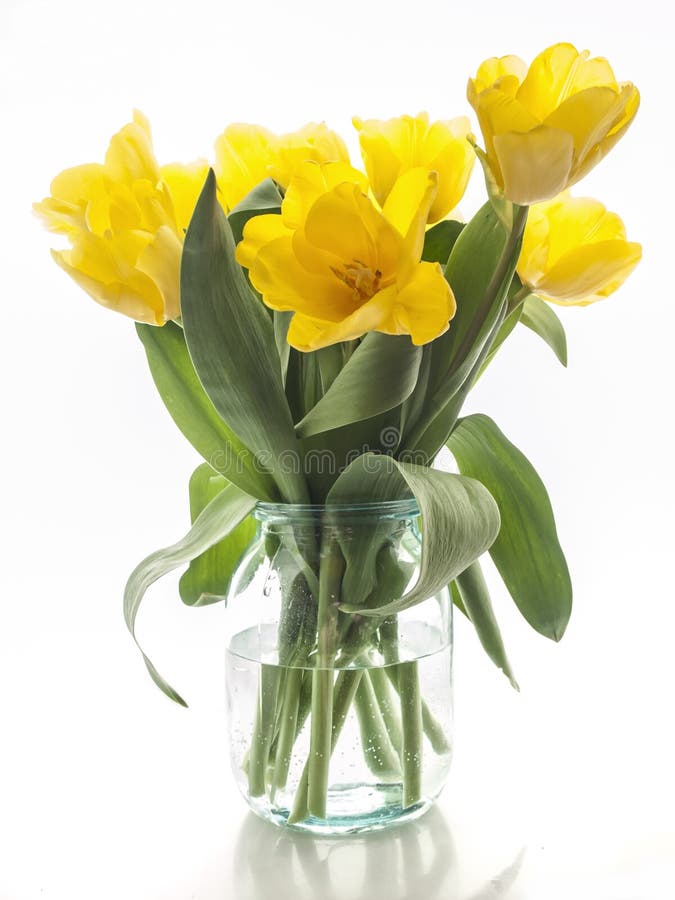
[[247, 154], [545, 127], [575, 252], [343, 266], [125, 220], [393, 147]]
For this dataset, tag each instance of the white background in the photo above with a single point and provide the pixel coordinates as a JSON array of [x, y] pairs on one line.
[[107, 790]]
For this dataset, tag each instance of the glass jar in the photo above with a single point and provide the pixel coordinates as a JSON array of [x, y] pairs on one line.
[[339, 716]]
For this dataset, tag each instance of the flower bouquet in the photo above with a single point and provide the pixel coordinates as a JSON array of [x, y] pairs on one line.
[[314, 330]]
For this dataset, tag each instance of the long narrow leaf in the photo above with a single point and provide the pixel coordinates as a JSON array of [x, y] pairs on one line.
[[540, 318], [527, 552], [480, 270], [460, 518], [230, 337], [475, 597], [208, 575], [222, 514], [195, 415], [380, 375]]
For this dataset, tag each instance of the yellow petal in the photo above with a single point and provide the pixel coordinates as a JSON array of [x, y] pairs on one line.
[[258, 231], [346, 223], [65, 211], [410, 200], [448, 152], [309, 333], [315, 142], [380, 142], [424, 307], [126, 291], [590, 271], [595, 154], [534, 253], [536, 165], [244, 156], [544, 84], [160, 261], [185, 183], [310, 180], [588, 116], [285, 284], [580, 220], [130, 155], [493, 70]]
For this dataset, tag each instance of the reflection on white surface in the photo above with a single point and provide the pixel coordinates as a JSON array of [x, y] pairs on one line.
[[417, 860]]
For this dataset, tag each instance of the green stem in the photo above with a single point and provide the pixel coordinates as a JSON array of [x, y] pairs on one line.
[[346, 685], [263, 729], [430, 725], [411, 723], [518, 299], [390, 715], [440, 399], [331, 570], [378, 748], [287, 727]]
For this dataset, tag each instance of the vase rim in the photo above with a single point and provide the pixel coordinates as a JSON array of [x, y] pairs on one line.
[[394, 509]]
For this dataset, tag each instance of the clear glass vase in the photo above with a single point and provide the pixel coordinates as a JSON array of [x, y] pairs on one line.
[[339, 716]]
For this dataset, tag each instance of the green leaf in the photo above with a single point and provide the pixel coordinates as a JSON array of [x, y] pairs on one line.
[[230, 337], [527, 552], [475, 598], [380, 374], [480, 270], [457, 598], [282, 321], [264, 199], [195, 415], [503, 332], [540, 318], [227, 509], [331, 360], [439, 241], [459, 517], [208, 576]]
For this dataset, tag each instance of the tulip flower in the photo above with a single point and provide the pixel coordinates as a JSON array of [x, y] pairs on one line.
[[125, 220], [547, 126], [575, 252], [345, 267], [247, 154], [393, 147]]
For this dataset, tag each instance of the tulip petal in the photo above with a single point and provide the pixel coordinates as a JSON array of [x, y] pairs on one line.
[[160, 261], [409, 202], [381, 143], [425, 305], [346, 223], [453, 158], [597, 153], [310, 181], [244, 154], [495, 69], [309, 333], [314, 142], [590, 272], [131, 293], [130, 155], [580, 220], [258, 231], [185, 183], [286, 285], [536, 165], [558, 73]]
